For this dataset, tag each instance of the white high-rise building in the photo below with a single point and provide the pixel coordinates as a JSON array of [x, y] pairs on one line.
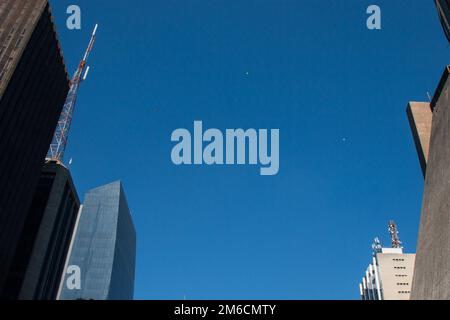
[[390, 274]]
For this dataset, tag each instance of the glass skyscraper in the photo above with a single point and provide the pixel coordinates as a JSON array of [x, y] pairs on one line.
[[104, 248]]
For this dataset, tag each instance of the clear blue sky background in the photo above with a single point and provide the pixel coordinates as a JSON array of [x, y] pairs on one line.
[[315, 72]]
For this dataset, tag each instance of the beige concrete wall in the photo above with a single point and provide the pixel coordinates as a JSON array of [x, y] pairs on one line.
[[396, 275], [420, 118]]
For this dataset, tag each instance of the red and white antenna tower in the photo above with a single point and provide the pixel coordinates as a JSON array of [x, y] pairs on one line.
[[395, 240], [59, 142]]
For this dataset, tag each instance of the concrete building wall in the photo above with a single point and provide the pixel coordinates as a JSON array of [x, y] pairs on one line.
[[396, 275], [432, 268], [420, 118], [389, 276]]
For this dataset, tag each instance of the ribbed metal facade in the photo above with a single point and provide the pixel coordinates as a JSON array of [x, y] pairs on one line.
[[33, 88]]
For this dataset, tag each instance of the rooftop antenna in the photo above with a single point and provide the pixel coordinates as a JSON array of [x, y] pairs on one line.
[[61, 135], [376, 246], [395, 240]]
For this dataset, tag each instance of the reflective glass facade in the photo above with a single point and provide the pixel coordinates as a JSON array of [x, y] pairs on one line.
[[104, 247]]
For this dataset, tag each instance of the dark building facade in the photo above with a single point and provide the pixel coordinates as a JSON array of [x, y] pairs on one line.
[[443, 7], [40, 257], [431, 279], [104, 247], [33, 87]]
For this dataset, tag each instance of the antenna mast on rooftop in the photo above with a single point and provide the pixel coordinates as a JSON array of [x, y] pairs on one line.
[[59, 142], [395, 240]]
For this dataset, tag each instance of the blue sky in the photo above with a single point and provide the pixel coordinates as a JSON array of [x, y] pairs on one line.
[[336, 90]]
